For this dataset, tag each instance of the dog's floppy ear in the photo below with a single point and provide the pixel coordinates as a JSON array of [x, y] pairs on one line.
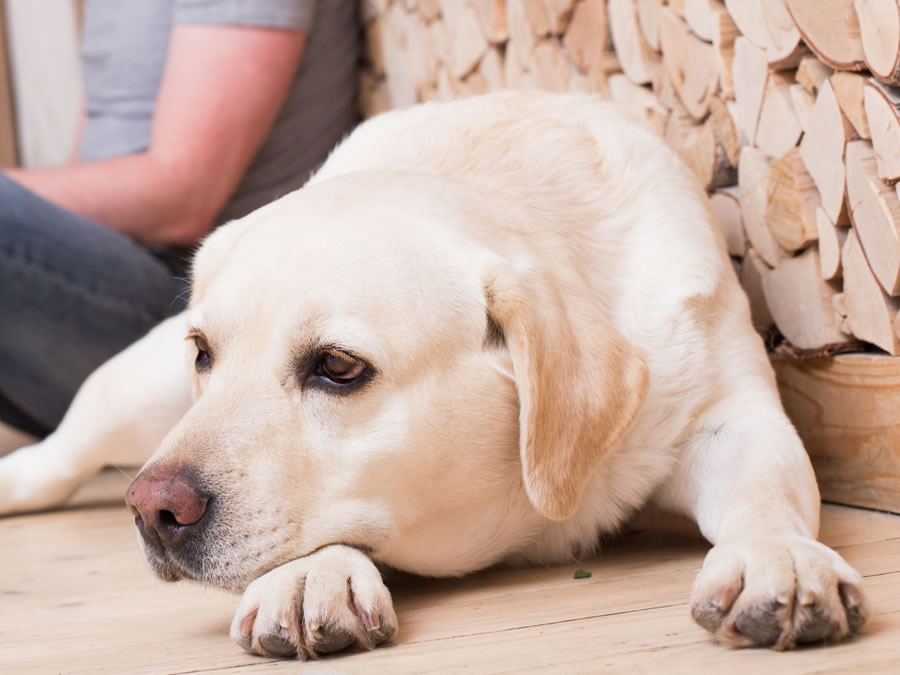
[[580, 383]]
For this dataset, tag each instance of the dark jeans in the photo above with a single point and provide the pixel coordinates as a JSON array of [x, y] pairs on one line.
[[72, 294]]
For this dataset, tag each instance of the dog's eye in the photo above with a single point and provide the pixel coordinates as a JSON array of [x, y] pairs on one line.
[[204, 357], [340, 368]]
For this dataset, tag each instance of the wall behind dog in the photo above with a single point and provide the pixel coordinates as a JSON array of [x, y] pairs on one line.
[[44, 79], [768, 103]]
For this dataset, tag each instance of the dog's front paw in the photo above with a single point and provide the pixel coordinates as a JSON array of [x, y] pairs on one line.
[[320, 604], [777, 592]]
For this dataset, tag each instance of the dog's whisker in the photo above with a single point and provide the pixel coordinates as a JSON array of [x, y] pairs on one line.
[[122, 471]]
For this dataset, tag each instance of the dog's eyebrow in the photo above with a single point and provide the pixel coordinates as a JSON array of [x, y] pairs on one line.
[[193, 332]]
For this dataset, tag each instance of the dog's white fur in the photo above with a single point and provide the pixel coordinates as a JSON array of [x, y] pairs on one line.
[[559, 339]]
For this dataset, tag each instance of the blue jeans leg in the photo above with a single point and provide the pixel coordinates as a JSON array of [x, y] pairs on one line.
[[72, 294]]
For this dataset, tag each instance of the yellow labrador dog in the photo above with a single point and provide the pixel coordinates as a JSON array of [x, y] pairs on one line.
[[485, 332]]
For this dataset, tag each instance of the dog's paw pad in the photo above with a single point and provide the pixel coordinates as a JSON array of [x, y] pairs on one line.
[[762, 623], [814, 624], [277, 644], [328, 639], [708, 616]]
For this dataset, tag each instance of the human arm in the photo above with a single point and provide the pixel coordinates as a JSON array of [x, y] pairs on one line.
[[221, 92]]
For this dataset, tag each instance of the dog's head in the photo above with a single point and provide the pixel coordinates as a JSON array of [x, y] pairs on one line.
[[371, 368]]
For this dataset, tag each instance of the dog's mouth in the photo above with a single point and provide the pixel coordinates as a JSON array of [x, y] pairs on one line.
[[163, 564]]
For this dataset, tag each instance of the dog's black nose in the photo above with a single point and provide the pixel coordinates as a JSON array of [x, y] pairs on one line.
[[168, 505]]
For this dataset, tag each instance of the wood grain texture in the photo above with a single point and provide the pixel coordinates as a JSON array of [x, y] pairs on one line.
[[847, 410], [831, 29], [78, 598]]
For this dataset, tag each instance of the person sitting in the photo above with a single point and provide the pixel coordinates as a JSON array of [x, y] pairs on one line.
[[196, 112]]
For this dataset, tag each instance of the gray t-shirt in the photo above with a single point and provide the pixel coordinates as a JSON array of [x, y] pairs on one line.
[[124, 47]]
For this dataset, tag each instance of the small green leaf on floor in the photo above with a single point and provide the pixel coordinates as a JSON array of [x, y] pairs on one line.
[[581, 574]]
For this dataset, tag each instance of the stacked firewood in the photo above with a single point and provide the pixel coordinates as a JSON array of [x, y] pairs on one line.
[[785, 110]]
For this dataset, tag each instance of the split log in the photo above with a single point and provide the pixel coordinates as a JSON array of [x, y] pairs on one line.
[[792, 201], [848, 90], [638, 61], [831, 30], [422, 57], [698, 147], [521, 37], [882, 105], [811, 73], [800, 302], [803, 103], [751, 71], [491, 68], [640, 103], [587, 39], [870, 312], [551, 67], [702, 17], [875, 212], [784, 49], [474, 84], [768, 26], [723, 116], [648, 19], [448, 86], [559, 14], [724, 35], [727, 207], [753, 270], [831, 241], [822, 150], [754, 171], [690, 63], [430, 10], [665, 90], [748, 16], [879, 27], [492, 19], [778, 129], [401, 79], [595, 82], [536, 16], [467, 42], [440, 40], [515, 75]]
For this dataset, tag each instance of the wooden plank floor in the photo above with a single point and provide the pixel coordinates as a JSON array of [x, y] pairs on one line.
[[75, 597]]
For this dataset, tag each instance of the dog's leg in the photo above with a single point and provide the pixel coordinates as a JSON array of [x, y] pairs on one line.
[[319, 604], [118, 417], [747, 480]]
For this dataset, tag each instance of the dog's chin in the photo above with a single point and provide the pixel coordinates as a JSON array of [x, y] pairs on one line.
[[163, 566]]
